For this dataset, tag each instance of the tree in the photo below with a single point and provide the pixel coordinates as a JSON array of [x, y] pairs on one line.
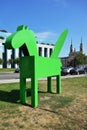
[[10, 61], [85, 59], [16, 61], [79, 59], [1, 61]]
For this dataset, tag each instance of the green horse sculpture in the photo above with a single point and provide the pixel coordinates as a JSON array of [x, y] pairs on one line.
[[34, 66]]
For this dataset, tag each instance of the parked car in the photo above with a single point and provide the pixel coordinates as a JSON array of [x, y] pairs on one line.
[[62, 71], [85, 69], [66, 71], [77, 70]]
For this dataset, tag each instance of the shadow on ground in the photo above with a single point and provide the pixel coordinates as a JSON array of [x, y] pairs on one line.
[[12, 96]]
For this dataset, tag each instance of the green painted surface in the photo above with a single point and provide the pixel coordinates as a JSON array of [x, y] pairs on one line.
[[59, 44], [33, 66], [21, 37]]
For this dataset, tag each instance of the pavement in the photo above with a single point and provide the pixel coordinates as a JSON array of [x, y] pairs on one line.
[[9, 81], [4, 81]]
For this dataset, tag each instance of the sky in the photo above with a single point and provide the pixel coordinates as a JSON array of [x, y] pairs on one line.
[[48, 18]]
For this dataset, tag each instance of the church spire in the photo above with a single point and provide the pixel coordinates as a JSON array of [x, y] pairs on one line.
[[71, 40], [81, 46], [81, 39], [71, 47]]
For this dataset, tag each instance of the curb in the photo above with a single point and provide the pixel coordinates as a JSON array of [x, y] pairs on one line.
[[18, 80]]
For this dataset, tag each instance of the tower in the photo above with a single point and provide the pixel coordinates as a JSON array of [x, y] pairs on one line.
[[81, 46], [71, 48]]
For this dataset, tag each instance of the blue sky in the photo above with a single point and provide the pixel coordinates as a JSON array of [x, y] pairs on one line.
[[48, 18]]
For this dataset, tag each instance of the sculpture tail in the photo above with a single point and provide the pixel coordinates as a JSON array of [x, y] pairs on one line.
[[59, 44]]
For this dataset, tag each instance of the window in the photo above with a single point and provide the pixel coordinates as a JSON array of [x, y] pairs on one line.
[[40, 51], [51, 51], [45, 52]]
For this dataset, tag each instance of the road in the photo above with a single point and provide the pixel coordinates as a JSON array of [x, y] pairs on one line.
[[11, 77]]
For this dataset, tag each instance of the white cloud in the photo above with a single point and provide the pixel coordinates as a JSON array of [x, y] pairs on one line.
[[45, 36]]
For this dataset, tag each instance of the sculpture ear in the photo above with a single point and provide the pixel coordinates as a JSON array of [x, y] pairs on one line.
[[22, 27], [59, 44]]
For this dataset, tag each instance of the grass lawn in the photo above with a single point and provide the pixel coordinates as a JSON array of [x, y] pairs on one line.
[[65, 111], [7, 69]]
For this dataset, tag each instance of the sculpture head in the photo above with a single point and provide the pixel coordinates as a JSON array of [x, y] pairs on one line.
[[24, 38]]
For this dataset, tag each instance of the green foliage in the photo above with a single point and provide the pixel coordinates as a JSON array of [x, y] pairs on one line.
[[6, 124], [1, 61], [85, 59], [10, 61], [80, 59], [16, 61]]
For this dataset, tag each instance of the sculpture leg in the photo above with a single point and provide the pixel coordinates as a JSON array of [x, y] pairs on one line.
[[49, 85], [58, 84], [34, 92], [23, 90]]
